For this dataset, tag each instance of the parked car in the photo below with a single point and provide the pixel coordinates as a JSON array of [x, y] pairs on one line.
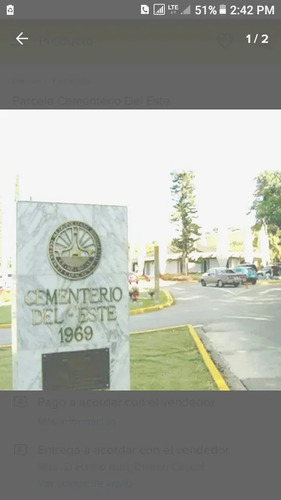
[[251, 274], [220, 276], [242, 275], [247, 264], [268, 271]]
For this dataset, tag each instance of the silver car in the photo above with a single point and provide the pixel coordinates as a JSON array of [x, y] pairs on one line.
[[220, 276]]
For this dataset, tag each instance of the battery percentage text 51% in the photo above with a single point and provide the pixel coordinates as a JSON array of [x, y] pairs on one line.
[[204, 10]]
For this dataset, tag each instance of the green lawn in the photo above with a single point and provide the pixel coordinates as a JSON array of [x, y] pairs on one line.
[[5, 296], [5, 369], [166, 360], [5, 315], [145, 300]]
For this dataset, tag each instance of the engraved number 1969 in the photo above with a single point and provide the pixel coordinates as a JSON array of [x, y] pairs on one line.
[[68, 334]]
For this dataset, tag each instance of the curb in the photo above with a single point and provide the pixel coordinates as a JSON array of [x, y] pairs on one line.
[[217, 377], [233, 382], [5, 325], [169, 303]]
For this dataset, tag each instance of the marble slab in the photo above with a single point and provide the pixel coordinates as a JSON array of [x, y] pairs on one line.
[[53, 313]]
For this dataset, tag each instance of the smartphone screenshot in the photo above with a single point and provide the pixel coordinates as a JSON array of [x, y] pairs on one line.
[[140, 248]]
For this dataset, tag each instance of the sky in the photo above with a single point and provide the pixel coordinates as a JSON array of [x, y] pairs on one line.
[[125, 157]]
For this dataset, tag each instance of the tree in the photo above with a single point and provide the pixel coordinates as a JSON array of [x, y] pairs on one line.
[[267, 208], [267, 198], [275, 243], [183, 196]]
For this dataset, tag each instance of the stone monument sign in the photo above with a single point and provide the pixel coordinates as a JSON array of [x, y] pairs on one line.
[[70, 309]]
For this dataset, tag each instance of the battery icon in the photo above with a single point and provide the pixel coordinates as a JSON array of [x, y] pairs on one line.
[[222, 9]]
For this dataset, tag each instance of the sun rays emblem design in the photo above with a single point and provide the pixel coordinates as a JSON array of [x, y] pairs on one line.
[[74, 250]]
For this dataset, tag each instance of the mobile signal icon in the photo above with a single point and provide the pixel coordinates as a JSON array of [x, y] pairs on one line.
[[187, 11], [159, 9]]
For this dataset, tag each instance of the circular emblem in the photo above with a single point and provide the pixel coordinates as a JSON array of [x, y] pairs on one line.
[[74, 250]]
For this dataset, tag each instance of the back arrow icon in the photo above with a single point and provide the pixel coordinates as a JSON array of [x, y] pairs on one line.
[[20, 38]]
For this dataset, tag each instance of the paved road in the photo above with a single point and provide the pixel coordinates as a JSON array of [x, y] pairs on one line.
[[242, 324]]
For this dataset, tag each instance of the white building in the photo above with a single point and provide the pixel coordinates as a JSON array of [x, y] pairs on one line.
[[219, 252]]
